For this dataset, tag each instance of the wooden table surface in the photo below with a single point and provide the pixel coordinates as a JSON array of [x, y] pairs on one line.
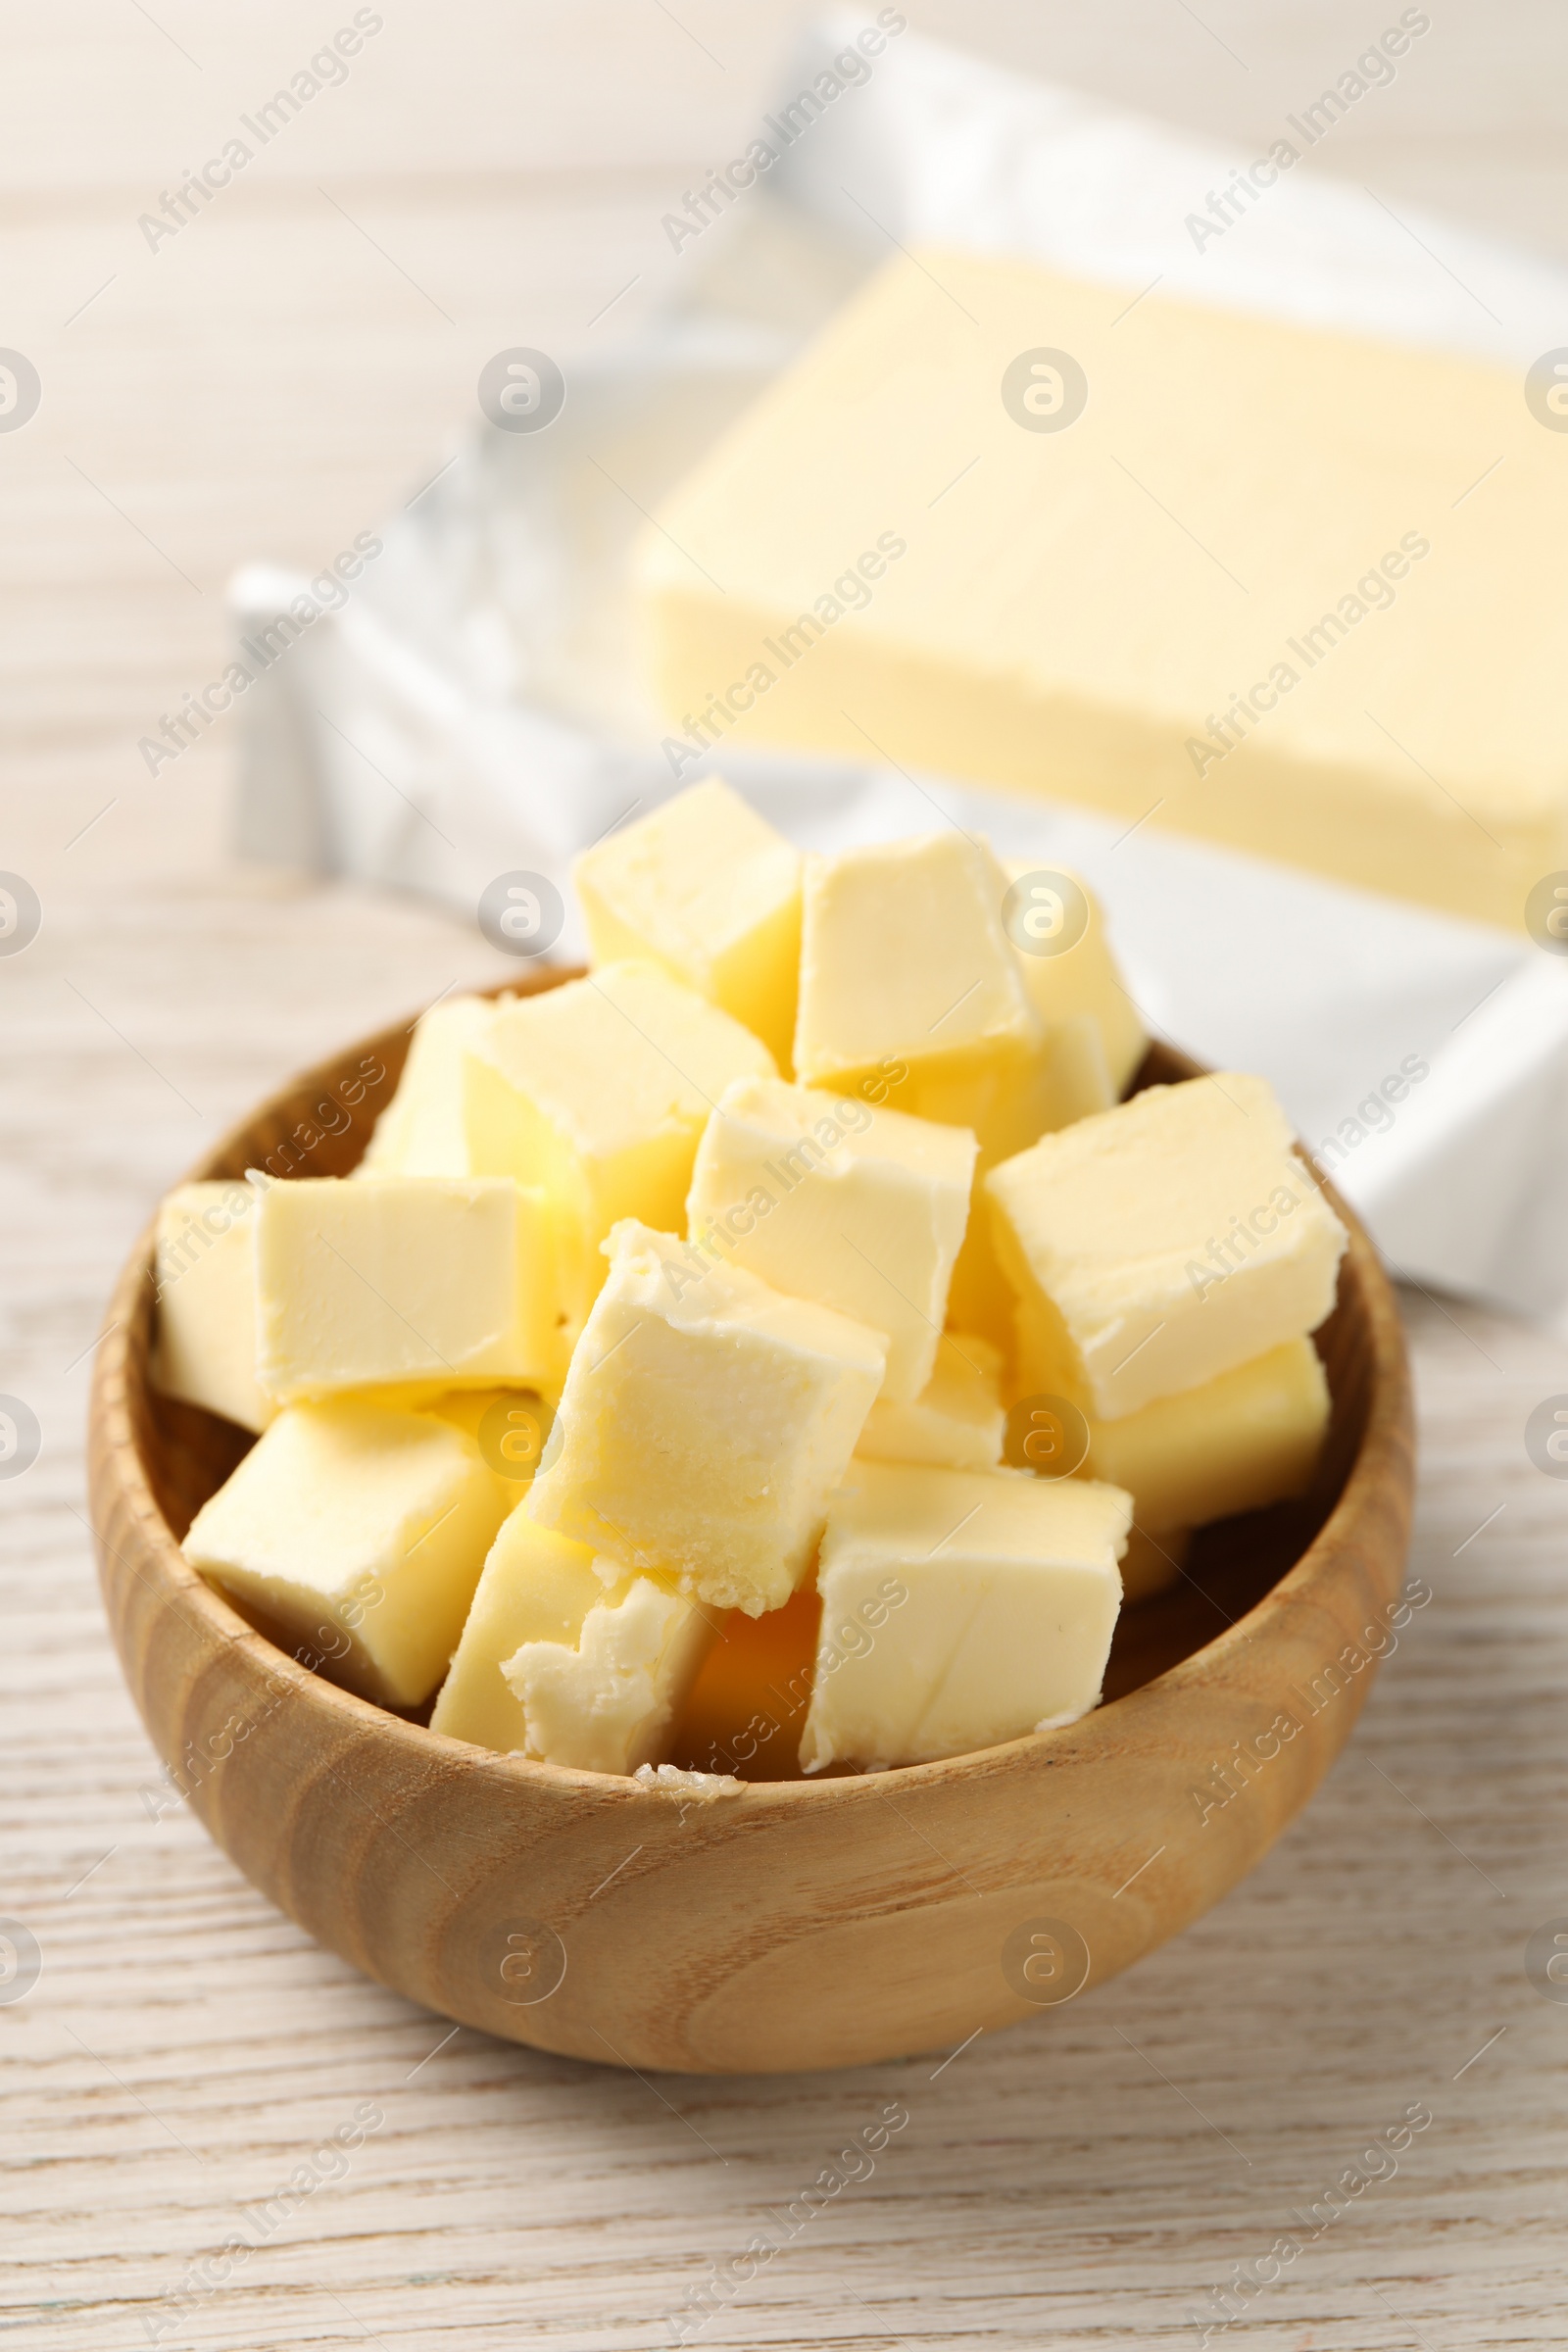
[[274, 380]]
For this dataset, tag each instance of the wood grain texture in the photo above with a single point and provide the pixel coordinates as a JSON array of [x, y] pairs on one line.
[[787, 1925]]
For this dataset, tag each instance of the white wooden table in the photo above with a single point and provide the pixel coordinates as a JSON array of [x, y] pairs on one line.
[[270, 383]]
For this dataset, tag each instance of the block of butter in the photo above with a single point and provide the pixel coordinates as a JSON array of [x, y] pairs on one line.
[[1163, 1243], [205, 1349], [911, 992], [445, 1279], [1245, 1438], [360, 1529], [1284, 588], [959, 1610], [705, 1422], [1055, 922], [706, 890], [827, 1198], [957, 1420], [421, 1132], [597, 1091]]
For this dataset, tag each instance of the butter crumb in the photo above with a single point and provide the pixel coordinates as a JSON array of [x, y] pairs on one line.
[[706, 1786]]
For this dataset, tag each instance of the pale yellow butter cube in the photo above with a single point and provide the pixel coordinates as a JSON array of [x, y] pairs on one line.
[[959, 1610], [910, 989], [538, 1591], [705, 888], [205, 1349], [444, 1280], [421, 1132], [1077, 1080], [1068, 968], [1245, 1438], [826, 1199], [597, 1093], [705, 1422], [361, 1529], [957, 1420], [1163, 1243]]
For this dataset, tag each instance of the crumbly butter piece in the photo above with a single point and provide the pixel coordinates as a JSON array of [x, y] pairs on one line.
[[1078, 982], [957, 1420], [1163, 1243], [705, 1422], [959, 1610], [205, 1350], [606, 1701], [360, 1529], [449, 1279], [558, 1663], [827, 1198], [910, 989], [744, 1712], [1245, 1438], [421, 1132], [686, 1785], [1320, 657], [705, 889], [597, 1091], [536, 1587]]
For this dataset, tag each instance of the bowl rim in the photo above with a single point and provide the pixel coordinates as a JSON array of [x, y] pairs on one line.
[[1383, 1453]]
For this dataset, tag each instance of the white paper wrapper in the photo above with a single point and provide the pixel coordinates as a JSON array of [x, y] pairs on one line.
[[473, 709]]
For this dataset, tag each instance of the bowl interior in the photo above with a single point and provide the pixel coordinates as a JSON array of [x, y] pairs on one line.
[[320, 1126]]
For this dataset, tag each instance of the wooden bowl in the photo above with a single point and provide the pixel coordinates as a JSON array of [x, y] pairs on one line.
[[790, 1924]]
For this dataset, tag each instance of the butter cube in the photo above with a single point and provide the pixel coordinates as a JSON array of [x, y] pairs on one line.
[[910, 989], [442, 1280], [708, 890], [1077, 1079], [360, 1529], [421, 1132], [826, 1199], [705, 1422], [744, 1713], [1163, 1243], [205, 1349], [597, 1093], [606, 1701], [1245, 1438], [1078, 980], [959, 1610], [957, 1420]]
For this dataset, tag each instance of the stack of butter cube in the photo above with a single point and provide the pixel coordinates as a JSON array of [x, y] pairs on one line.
[[645, 1389]]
